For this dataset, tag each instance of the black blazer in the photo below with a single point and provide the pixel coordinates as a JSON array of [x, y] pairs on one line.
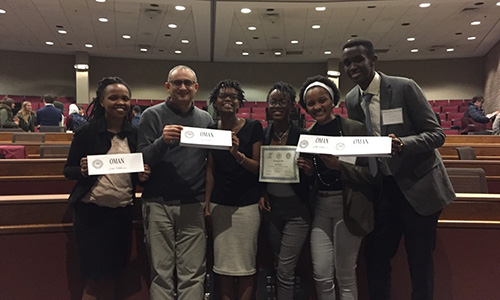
[[301, 189], [93, 138]]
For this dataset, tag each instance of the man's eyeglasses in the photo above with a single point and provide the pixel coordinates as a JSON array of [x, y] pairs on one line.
[[231, 96], [186, 82], [280, 102]]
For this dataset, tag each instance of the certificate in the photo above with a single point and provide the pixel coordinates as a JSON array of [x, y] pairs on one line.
[[115, 163], [206, 138], [278, 164]]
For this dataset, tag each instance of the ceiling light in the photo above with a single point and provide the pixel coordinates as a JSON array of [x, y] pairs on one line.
[[252, 28], [328, 52], [62, 31], [410, 39], [239, 43], [185, 41], [450, 50], [3, 11], [126, 36], [172, 26], [277, 53], [246, 10], [294, 42], [50, 43], [498, 3], [178, 51], [103, 20], [320, 8], [81, 67], [316, 27], [475, 23], [471, 38], [414, 50], [89, 45], [245, 54], [424, 5], [100, 1], [143, 49], [333, 73], [180, 7]]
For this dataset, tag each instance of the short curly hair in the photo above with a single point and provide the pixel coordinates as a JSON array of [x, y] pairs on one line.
[[284, 88], [227, 84], [322, 79]]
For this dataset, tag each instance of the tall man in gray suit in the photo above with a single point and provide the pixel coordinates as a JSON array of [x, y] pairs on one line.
[[415, 186]]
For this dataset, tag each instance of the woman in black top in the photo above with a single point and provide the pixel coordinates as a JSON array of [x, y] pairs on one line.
[[102, 204], [232, 194], [286, 215]]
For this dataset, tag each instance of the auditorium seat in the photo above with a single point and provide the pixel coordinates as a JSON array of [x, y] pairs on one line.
[[457, 102], [143, 102], [446, 124], [436, 109], [28, 137], [46, 128], [309, 123], [54, 151], [337, 110], [468, 180], [259, 109], [243, 115], [449, 109], [245, 109], [454, 116], [258, 116], [441, 102], [260, 104], [466, 153]]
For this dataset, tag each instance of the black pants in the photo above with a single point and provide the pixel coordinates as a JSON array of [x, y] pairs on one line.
[[395, 217]]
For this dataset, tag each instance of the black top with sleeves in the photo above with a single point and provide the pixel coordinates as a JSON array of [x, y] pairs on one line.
[[233, 184], [301, 189], [327, 179], [93, 138]]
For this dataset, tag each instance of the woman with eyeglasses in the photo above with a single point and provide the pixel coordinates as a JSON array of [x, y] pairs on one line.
[[286, 214], [342, 191], [232, 195]]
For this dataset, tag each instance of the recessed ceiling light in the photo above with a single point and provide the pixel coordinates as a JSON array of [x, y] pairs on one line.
[[277, 53], [172, 26], [320, 8], [246, 10], [185, 41], [178, 51], [126, 36], [143, 49], [3, 11], [62, 31], [498, 3], [245, 53], [424, 5], [50, 43], [103, 20], [100, 1], [450, 50], [414, 50], [475, 23], [252, 28], [180, 7], [316, 26], [471, 38], [333, 73], [89, 45], [410, 39], [327, 52], [239, 43], [294, 42]]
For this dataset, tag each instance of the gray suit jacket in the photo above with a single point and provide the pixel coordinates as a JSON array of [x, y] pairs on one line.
[[418, 170]]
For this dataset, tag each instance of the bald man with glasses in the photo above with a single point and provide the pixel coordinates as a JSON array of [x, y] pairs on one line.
[[173, 197]]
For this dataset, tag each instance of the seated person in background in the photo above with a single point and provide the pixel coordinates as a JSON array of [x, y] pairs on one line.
[[474, 118], [60, 105], [137, 112], [81, 111], [74, 119], [26, 117], [6, 117], [48, 115]]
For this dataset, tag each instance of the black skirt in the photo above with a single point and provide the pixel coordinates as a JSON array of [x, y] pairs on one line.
[[103, 238]]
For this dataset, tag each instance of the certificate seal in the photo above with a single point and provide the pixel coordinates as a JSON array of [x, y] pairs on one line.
[[304, 144], [189, 134], [340, 146], [97, 164], [278, 156], [288, 156]]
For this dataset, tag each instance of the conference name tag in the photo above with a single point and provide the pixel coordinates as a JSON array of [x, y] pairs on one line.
[[206, 138], [345, 145], [115, 163]]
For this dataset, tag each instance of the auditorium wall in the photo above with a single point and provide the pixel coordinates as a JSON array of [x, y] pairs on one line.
[[492, 84], [24, 73]]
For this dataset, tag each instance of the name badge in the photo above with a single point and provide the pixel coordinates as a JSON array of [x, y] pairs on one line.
[[115, 163], [206, 138], [345, 145], [392, 116]]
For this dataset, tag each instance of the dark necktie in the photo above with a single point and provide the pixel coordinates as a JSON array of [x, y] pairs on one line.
[[372, 161]]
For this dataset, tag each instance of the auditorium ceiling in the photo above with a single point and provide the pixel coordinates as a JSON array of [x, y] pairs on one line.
[[278, 31]]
